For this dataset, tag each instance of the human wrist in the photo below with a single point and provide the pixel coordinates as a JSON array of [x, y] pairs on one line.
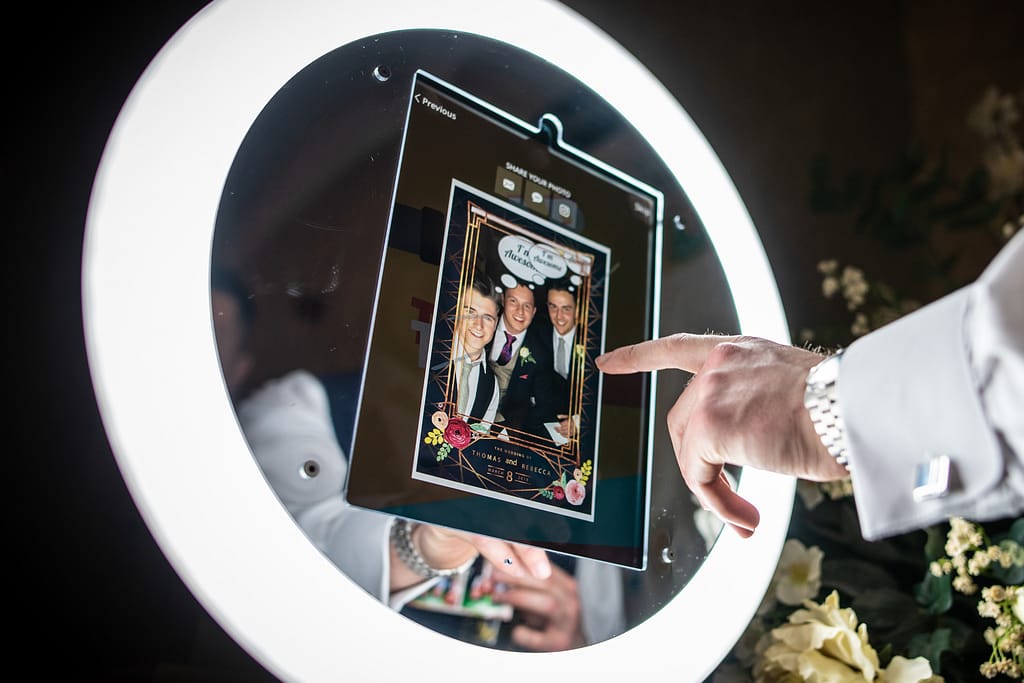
[[821, 399], [419, 548]]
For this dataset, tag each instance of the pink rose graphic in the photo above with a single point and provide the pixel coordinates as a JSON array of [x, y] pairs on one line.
[[559, 492], [458, 433], [440, 420], [575, 492]]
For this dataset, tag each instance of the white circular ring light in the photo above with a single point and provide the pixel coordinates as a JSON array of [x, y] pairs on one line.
[[146, 303]]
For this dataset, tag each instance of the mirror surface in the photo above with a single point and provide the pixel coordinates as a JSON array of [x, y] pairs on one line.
[[299, 235]]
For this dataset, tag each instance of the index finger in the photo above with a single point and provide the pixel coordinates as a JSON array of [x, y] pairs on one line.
[[679, 351], [524, 559]]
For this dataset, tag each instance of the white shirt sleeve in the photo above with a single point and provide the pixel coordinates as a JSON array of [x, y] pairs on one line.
[[288, 425], [947, 379]]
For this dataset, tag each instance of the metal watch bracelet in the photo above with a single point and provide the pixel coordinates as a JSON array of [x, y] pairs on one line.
[[401, 537], [821, 398]]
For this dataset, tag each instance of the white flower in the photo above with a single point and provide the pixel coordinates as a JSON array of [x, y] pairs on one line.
[[1018, 606], [1005, 166], [829, 286], [903, 670], [853, 277], [993, 114], [838, 489], [525, 355], [962, 537], [828, 266], [810, 493], [798, 574], [855, 287], [820, 643], [860, 325]]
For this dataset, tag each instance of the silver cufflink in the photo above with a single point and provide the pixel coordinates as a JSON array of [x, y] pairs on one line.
[[931, 479]]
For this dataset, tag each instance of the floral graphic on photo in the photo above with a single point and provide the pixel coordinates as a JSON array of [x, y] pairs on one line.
[[582, 474], [574, 490], [440, 420], [456, 433], [436, 438]]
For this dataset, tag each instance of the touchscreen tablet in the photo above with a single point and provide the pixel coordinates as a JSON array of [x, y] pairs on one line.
[[512, 260]]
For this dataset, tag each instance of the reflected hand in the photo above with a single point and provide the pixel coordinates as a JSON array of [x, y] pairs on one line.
[[447, 548], [550, 609], [566, 426], [744, 406]]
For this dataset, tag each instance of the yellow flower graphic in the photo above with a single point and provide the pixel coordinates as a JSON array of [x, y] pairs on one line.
[[434, 438]]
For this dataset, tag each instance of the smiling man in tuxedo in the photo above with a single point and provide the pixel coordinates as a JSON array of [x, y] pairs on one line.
[[521, 363], [477, 389], [561, 305]]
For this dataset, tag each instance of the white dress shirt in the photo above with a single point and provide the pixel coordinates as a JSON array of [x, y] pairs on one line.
[[476, 367], [947, 379]]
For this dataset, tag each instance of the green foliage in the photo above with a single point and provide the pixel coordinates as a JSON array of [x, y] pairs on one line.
[[931, 646], [935, 546], [935, 593], [906, 204]]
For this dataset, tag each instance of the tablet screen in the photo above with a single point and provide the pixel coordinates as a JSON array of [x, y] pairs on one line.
[[512, 260]]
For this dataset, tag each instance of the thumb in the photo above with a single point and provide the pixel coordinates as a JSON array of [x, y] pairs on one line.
[[679, 351]]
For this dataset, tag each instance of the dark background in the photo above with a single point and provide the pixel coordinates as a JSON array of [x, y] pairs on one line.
[[772, 85]]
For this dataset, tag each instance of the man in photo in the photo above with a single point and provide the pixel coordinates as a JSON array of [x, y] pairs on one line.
[[521, 363], [561, 305], [477, 392]]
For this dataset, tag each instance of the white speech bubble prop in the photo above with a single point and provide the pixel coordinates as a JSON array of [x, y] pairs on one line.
[[514, 252], [547, 261]]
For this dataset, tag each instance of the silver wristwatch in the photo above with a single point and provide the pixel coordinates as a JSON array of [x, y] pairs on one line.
[[401, 537], [821, 397]]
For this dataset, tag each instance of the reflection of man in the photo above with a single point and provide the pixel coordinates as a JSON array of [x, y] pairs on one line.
[[520, 362], [562, 312], [477, 389], [299, 426]]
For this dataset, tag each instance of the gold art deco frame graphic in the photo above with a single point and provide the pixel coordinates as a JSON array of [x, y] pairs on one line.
[[486, 478], [170, 421]]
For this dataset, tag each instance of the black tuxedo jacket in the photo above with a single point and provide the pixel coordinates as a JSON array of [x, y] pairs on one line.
[[531, 396], [558, 403]]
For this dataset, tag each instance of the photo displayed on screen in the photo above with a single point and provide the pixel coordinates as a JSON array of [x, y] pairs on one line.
[[511, 262], [511, 395]]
